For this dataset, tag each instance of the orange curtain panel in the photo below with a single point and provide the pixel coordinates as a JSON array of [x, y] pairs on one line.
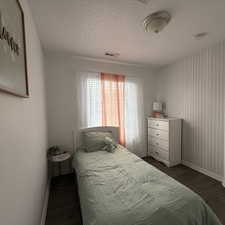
[[113, 102]]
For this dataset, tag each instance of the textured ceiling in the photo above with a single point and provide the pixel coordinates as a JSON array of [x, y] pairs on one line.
[[91, 27]]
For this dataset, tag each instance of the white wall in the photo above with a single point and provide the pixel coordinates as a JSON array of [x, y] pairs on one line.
[[23, 141], [61, 94], [193, 89]]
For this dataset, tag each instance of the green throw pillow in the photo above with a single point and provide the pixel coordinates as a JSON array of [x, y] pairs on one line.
[[96, 141]]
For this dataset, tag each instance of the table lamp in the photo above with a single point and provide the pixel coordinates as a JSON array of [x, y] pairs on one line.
[[157, 109]]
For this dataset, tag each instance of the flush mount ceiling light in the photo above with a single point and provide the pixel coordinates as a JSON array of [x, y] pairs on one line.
[[157, 21]]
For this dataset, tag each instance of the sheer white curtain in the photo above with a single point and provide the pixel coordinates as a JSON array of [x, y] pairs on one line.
[[134, 116], [89, 107], [88, 87]]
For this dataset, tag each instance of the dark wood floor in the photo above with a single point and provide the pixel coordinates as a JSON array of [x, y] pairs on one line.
[[64, 209]]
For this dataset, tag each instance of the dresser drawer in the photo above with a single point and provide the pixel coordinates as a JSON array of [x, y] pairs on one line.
[[158, 134], [164, 144], [157, 124], [159, 153]]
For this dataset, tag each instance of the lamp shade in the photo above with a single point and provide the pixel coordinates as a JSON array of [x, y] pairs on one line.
[[157, 107]]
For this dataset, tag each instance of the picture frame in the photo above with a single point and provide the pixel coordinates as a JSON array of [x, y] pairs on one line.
[[13, 52]]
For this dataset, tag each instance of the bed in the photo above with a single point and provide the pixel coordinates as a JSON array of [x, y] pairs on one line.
[[121, 189]]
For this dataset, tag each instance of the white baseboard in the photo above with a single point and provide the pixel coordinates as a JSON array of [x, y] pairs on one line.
[[45, 206], [204, 171]]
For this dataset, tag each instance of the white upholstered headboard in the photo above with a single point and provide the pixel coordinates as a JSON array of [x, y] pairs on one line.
[[113, 130]]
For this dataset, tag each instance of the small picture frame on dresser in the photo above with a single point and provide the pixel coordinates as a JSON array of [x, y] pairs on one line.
[[164, 140]]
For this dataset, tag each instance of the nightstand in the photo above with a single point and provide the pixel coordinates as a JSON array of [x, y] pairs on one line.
[[58, 160]]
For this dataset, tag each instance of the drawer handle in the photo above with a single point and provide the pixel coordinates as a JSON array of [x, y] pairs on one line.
[[157, 134], [157, 124]]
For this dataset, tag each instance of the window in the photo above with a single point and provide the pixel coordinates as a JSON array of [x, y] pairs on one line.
[[94, 102], [113, 100]]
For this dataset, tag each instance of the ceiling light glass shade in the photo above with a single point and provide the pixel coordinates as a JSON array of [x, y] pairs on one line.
[[156, 25], [157, 21]]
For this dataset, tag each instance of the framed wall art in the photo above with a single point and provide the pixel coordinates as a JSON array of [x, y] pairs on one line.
[[13, 59]]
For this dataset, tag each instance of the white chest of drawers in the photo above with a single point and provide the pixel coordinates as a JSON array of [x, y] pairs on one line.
[[164, 140]]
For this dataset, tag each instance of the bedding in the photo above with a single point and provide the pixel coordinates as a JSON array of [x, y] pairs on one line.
[[121, 189]]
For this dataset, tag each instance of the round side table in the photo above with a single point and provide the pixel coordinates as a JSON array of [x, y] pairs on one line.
[[59, 159]]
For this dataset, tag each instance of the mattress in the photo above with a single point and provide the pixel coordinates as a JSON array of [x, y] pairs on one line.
[[121, 189]]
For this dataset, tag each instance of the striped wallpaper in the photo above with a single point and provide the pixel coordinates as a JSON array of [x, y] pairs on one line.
[[193, 89]]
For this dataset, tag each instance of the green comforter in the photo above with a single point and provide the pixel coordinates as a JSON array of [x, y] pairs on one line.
[[121, 189]]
